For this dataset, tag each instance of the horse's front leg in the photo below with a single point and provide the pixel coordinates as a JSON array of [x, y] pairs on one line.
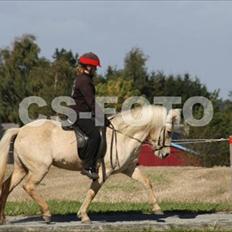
[[136, 174], [94, 188], [82, 213]]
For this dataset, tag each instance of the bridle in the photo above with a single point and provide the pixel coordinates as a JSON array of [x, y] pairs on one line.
[[159, 146], [160, 142]]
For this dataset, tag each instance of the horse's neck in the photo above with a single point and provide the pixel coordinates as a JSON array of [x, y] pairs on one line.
[[127, 147], [141, 135]]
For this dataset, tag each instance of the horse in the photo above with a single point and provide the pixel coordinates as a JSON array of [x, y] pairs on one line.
[[42, 143]]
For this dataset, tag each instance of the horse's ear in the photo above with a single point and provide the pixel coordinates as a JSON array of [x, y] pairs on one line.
[[174, 116]]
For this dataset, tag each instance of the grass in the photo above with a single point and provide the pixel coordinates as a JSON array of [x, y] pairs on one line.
[[71, 207], [159, 178]]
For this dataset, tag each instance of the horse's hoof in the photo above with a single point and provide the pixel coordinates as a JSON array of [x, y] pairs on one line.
[[86, 220], [158, 212], [47, 219]]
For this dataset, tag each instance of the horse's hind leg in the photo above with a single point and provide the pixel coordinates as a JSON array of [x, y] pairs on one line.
[[33, 179], [9, 184], [136, 174]]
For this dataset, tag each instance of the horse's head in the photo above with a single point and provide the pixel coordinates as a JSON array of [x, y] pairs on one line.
[[160, 138]]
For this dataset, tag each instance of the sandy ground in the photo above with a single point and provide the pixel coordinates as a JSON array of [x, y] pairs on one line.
[[185, 184]]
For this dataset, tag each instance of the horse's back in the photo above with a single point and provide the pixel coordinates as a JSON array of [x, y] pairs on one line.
[[46, 141], [39, 131]]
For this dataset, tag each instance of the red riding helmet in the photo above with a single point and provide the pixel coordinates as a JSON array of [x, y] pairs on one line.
[[89, 59]]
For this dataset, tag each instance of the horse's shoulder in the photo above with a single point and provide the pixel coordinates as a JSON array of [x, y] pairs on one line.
[[41, 124]]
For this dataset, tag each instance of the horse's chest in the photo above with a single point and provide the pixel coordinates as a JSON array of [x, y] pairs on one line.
[[134, 155]]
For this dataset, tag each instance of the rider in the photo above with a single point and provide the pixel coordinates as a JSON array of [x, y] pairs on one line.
[[84, 95]]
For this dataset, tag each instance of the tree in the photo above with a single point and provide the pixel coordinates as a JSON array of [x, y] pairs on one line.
[[23, 73], [120, 88], [135, 68], [113, 73], [63, 68], [230, 95], [15, 68], [220, 127]]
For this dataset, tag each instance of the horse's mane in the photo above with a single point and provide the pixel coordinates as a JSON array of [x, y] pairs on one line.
[[156, 119]]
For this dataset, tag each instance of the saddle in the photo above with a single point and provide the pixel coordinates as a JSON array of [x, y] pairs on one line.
[[82, 141]]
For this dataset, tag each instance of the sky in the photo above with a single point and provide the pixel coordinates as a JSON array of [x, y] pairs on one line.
[[177, 36]]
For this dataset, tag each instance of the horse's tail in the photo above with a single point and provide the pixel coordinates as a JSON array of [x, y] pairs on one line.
[[9, 135]]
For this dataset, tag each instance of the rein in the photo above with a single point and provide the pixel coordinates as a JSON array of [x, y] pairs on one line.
[[111, 126]]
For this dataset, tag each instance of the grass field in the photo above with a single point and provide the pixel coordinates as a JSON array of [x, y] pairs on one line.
[[180, 189]]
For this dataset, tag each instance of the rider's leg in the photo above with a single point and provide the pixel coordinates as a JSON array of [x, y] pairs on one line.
[[94, 139]]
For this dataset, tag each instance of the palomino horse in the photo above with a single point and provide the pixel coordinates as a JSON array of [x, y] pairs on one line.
[[43, 143]]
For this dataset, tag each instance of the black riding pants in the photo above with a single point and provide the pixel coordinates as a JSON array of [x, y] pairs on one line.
[[89, 128]]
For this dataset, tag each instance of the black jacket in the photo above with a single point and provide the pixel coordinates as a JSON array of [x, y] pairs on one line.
[[84, 94]]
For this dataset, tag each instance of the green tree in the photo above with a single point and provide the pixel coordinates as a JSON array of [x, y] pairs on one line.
[[113, 73], [120, 88], [230, 95], [15, 68], [23, 73], [220, 127], [63, 68], [184, 86], [135, 68]]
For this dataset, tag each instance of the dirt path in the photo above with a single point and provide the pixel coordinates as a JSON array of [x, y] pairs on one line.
[[123, 222]]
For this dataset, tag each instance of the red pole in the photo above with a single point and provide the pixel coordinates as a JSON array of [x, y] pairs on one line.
[[230, 140]]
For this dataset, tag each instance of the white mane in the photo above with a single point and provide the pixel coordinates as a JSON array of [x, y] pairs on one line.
[[155, 118]]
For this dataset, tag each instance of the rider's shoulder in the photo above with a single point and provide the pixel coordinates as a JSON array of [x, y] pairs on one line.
[[82, 78]]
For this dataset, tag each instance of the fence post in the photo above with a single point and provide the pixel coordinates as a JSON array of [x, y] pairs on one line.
[[230, 143]]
